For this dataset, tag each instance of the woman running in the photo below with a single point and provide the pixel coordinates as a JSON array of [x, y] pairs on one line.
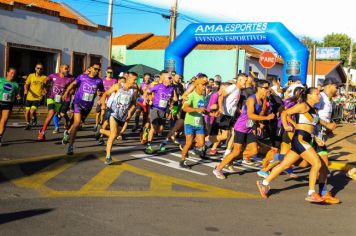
[[306, 119]]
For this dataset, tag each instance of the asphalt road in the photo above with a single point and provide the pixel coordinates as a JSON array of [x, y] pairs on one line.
[[150, 195]]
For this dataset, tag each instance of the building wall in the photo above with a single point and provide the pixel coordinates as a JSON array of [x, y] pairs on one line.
[[256, 67], [30, 28]]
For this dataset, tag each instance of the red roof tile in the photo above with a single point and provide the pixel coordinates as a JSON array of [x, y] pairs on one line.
[[323, 67]]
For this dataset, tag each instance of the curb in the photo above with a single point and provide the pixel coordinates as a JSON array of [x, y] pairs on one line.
[[342, 166]]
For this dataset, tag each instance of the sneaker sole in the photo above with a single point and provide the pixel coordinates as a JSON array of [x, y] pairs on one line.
[[218, 176], [311, 200], [260, 189]]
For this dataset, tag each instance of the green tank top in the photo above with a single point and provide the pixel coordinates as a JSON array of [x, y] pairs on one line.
[[8, 90]]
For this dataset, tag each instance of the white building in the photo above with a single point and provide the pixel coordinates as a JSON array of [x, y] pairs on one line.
[[52, 33]]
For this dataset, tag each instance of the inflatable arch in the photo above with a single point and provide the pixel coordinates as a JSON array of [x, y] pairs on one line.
[[294, 53]]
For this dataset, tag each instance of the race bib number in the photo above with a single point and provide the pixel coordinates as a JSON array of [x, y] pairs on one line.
[[198, 121], [57, 98], [88, 97], [162, 103], [250, 123], [6, 97]]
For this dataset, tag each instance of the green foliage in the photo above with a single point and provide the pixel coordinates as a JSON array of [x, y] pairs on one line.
[[339, 40]]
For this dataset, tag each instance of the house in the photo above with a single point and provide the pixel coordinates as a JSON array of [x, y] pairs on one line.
[[226, 60], [49, 32], [326, 68]]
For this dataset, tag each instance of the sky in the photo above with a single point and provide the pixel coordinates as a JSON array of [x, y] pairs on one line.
[[310, 18]]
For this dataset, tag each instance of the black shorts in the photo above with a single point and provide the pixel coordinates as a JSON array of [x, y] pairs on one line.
[[321, 150], [82, 110], [212, 129], [119, 123], [32, 104], [287, 137], [65, 107], [157, 116], [244, 138], [226, 122], [6, 106], [301, 141]]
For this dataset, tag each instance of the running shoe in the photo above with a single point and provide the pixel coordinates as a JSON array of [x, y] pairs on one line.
[[181, 146], [248, 162], [193, 152], [262, 173], [218, 174], [135, 128], [70, 150], [120, 138], [351, 173], [175, 141], [230, 167], [101, 141], [41, 136], [108, 160], [262, 188], [183, 164], [34, 121], [27, 127], [314, 197], [149, 149], [65, 137], [329, 199], [56, 131], [145, 133], [95, 128], [162, 147], [213, 152]]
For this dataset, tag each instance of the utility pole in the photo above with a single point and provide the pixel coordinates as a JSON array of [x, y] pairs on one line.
[[173, 21], [313, 66], [110, 25], [349, 69]]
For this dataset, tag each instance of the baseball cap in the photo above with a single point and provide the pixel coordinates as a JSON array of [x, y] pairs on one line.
[[332, 80], [294, 78]]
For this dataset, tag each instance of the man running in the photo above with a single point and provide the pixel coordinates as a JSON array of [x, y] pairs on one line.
[[142, 108], [57, 84], [163, 93], [244, 127], [9, 91], [34, 89], [108, 81], [88, 86], [122, 102], [194, 119]]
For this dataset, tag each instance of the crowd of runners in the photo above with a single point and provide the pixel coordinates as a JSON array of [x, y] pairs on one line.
[[246, 117]]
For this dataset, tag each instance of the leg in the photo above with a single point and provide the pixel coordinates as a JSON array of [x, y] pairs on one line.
[[74, 127], [48, 120], [3, 120], [312, 158], [112, 136], [188, 144], [235, 152]]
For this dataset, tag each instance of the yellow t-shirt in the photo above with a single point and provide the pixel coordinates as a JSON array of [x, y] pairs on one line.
[[36, 87]]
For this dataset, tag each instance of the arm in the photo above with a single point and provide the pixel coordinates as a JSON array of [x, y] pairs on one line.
[[329, 125], [187, 92], [69, 90], [27, 85], [111, 90], [187, 107], [251, 111]]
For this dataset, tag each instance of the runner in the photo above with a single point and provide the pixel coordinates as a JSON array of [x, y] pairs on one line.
[[306, 120], [331, 86], [57, 84], [122, 102], [108, 81], [34, 89], [163, 93], [244, 127], [9, 91], [194, 119], [142, 108], [88, 86]]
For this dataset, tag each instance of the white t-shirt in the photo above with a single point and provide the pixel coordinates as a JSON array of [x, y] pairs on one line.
[[275, 89], [231, 100], [291, 89]]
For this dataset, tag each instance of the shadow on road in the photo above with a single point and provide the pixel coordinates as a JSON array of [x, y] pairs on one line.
[[8, 217]]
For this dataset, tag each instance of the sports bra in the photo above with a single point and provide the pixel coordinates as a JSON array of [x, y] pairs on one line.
[[308, 118]]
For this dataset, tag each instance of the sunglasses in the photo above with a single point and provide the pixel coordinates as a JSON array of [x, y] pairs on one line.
[[265, 88], [96, 69], [109, 72], [38, 68]]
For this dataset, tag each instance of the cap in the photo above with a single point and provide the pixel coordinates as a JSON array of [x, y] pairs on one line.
[[294, 78], [200, 81], [332, 80]]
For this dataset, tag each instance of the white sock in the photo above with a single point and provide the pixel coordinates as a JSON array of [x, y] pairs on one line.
[[227, 152], [310, 192], [265, 182]]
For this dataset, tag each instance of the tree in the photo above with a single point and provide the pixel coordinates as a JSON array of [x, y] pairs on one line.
[[309, 42], [340, 40]]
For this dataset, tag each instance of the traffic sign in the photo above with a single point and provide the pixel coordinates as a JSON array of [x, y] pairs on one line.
[[267, 59]]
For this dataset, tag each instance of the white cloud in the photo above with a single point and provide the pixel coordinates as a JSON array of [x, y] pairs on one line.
[[302, 17]]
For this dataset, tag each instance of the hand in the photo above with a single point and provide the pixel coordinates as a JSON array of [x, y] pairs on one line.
[[320, 142], [331, 126], [64, 97], [200, 110], [270, 116], [288, 128], [259, 131]]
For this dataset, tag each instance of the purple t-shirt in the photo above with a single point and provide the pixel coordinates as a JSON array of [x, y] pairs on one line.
[[58, 85], [213, 100], [162, 95], [243, 123], [108, 83], [143, 87], [87, 88]]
